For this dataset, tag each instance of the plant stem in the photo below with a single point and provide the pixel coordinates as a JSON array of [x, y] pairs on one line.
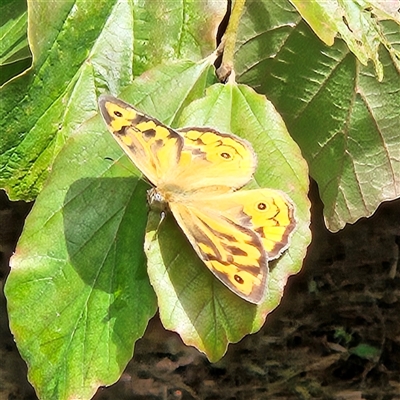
[[229, 41]]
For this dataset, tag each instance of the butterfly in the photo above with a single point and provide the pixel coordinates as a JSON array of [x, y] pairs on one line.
[[196, 174]]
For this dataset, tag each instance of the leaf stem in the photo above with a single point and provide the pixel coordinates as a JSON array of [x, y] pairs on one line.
[[229, 41]]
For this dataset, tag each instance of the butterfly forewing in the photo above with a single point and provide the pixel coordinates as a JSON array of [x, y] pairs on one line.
[[153, 147], [210, 158], [190, 158]]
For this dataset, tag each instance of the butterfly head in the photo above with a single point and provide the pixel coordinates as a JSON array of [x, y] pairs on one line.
[[156, 200]]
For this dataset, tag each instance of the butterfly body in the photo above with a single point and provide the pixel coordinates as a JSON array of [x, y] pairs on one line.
[[196, 174]]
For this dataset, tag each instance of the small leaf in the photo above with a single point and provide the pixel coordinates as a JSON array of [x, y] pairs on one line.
[[366, 351]]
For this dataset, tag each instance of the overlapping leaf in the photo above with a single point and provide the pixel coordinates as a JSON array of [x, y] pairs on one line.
[[76, 302], [344, 119], [71, 63], [78, 292], [357, 22]]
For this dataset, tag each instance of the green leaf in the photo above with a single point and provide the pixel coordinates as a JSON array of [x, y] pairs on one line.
[[262, 34], [366, 351], [357, 22], [72, 64], [13, 27], [191, 300], [166, 90], [69, 62], [78, 293], [171, 30], [15, 56], [323, 17], [344, 120]]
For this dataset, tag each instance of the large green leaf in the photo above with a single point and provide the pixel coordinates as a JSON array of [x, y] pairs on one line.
[[79, 48], [191, 301], [78, 292], [76, 302], [345, 121]]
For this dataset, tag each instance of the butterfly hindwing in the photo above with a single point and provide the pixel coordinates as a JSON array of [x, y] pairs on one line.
[[233, 253], [236, 233], [268, 212]]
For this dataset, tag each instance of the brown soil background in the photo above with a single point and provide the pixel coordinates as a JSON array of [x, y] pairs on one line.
[[347, 296]]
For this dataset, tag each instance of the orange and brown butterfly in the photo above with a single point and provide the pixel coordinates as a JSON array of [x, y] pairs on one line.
[[196, 174]]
